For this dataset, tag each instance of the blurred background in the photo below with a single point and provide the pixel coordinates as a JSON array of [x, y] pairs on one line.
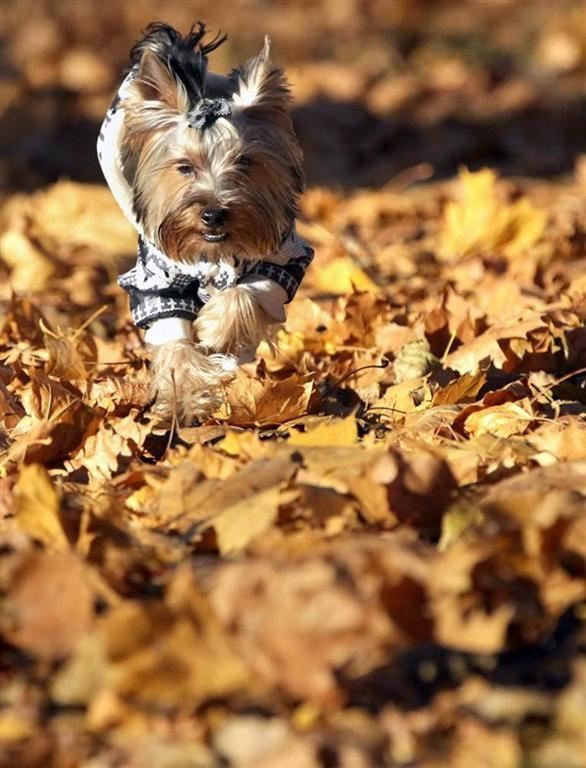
[[383, 88]]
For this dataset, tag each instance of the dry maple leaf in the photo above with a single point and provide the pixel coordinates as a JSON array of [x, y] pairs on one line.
[[506, 345], [480, 222], [57, 423], [264, 403], [190, 504], [460, 390]]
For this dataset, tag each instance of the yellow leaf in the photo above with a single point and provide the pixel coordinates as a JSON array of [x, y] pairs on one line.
[[479, 221], [410, 395], [14, 727], [500, 420], [458, 518], [328, 432], [341, 276], [237, 525], [37, 506], [245, 445], [30, 269], [140, 498], [290, 344], [306, 716]]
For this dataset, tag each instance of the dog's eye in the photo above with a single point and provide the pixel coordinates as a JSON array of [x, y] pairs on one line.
[[244, 161], [186, 170]]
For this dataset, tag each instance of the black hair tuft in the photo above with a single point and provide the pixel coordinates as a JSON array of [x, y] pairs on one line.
[[185, 57]]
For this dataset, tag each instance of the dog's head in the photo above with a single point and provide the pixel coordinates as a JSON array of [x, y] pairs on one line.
[[213, 161]]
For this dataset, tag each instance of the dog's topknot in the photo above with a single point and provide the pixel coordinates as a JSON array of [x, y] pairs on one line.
[[186, 57]]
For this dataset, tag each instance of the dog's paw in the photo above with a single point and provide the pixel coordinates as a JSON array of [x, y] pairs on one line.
[[233, 322], [186, 382]]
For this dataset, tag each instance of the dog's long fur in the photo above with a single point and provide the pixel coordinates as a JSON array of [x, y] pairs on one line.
[[186, 381], [248, 164], [234, 323]]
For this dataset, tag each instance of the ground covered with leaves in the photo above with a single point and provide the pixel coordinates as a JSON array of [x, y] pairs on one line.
[[373, 555]]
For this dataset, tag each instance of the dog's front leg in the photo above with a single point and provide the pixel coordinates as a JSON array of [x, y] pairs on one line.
[[234, 322], [186, 382]]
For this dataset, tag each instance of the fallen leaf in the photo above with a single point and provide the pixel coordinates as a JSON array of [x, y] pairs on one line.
[[327, 432], [51, 605], [480, 222], [461, 390], [267, 403], [342, 275], [500, 420], [174, 654], [31, 269], [237, 525], [37, 507]]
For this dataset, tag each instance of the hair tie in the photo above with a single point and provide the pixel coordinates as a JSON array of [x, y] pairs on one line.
[[207, 112]]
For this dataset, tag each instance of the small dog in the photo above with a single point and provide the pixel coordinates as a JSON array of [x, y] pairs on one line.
[[209, 171]]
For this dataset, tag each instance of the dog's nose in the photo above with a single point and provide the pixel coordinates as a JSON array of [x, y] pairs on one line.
[[214, 217]]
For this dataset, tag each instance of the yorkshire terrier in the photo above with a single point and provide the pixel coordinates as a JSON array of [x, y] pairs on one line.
[[209, 171]]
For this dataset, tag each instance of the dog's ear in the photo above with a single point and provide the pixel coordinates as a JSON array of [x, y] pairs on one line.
[[155, 82], [261, 84]]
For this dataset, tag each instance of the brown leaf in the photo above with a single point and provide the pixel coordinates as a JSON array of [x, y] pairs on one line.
[[267, 403], [461, 390], [68, 355], [51, 605], [170, 655], [297, 622], [421, 490], [57, 424], [189, 503]]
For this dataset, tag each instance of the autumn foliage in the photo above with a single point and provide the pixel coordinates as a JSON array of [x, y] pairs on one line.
[[373, 555]]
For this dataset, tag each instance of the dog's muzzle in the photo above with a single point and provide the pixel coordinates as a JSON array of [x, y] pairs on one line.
[[214, 220]]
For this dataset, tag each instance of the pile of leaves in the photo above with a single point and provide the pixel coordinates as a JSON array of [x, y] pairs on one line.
[[371, 556]]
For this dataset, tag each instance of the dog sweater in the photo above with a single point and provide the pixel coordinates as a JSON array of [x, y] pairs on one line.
[[160, 288]]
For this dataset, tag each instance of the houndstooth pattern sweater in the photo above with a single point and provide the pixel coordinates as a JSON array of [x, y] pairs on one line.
[[160, 287]]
